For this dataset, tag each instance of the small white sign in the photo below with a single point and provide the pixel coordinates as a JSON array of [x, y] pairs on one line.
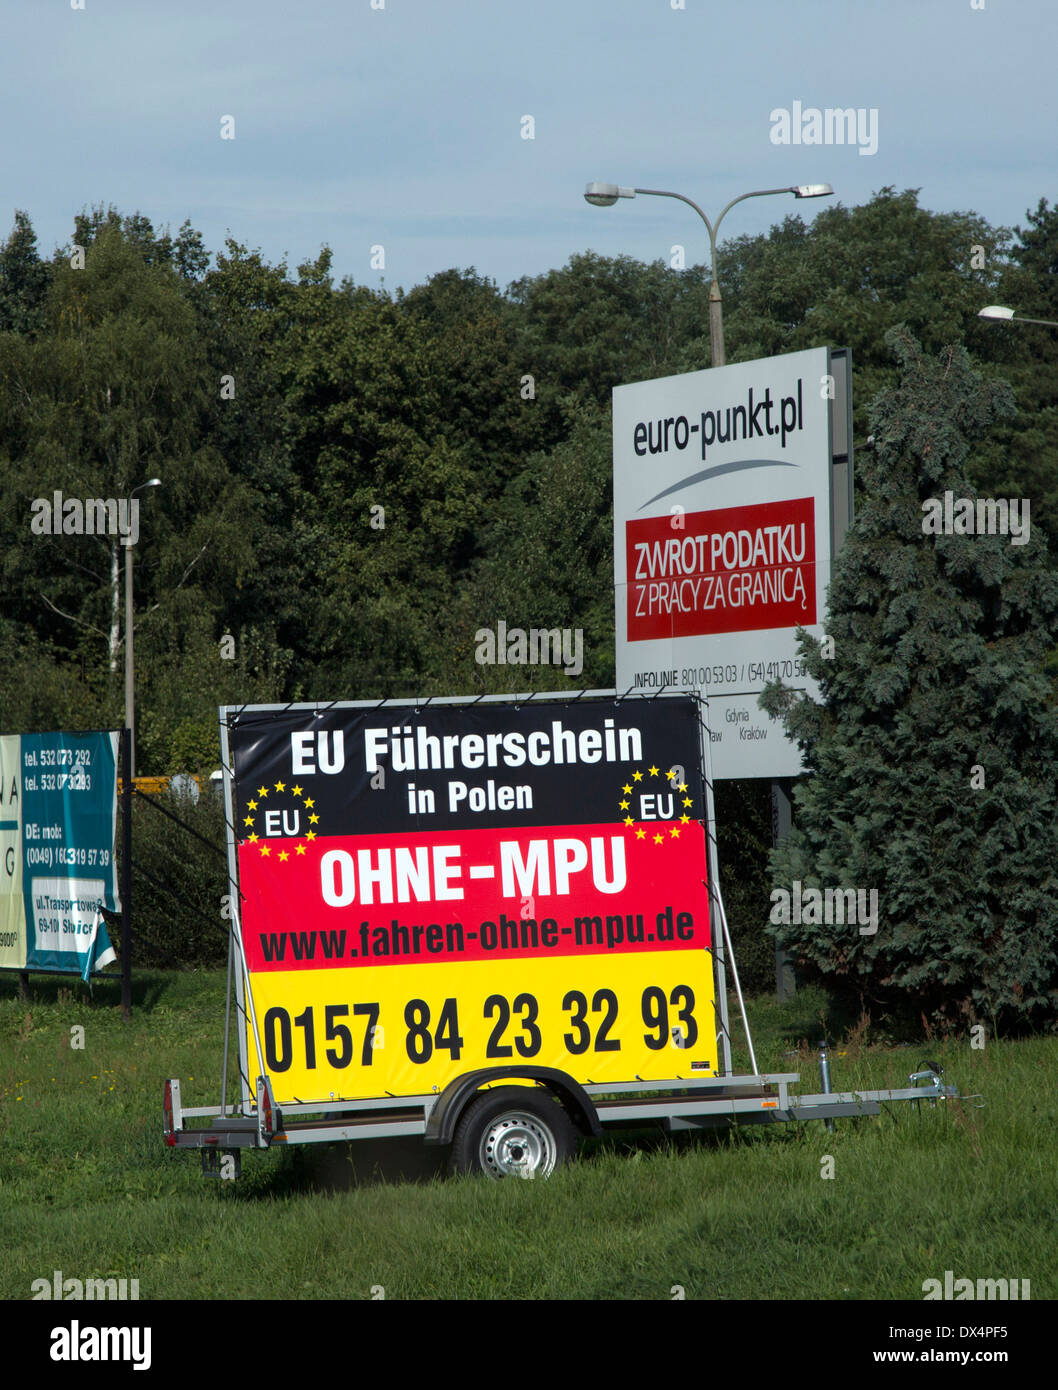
[[66, 913]]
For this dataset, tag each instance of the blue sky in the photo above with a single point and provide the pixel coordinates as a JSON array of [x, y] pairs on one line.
[[401, 126]]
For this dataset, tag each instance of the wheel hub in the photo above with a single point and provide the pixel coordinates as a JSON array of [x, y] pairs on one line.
[[518, 1145]]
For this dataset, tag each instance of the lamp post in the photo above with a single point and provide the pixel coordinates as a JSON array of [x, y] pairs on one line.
[[130, 699], [1001, 314], [604, 195]]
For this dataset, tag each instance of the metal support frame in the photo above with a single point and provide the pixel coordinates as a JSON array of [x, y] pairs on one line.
[[126, 872], [702, 1103], [722, 944]]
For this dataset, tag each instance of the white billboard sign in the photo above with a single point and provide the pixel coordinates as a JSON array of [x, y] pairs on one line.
[[722, 541]]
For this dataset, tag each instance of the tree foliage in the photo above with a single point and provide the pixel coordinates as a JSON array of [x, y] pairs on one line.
[[355, 484], [933, 756]]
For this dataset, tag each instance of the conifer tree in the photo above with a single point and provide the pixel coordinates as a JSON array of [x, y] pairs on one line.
[[933, 756]]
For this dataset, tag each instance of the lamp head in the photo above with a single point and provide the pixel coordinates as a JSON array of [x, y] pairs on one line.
[[604, 195]]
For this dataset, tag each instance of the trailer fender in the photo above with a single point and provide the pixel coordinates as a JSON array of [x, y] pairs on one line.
[[440, 1127]]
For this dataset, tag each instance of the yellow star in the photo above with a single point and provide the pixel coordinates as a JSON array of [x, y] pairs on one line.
[[637, 777], [641, 834], [265, 851], [283, 856], [653, 772], [684, 819], [252, 805], [313, 819], [248, 820], [682, 787], [309, 802], [281, 786], [674, 831], [252, 840], [687, 801], [300, 849], [262, 791], [311, 835], [629, 821], [624, 805], [296, 791], [669, 775], [658, 839], [626, 789]]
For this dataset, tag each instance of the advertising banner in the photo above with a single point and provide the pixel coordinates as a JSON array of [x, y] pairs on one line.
[[429, 890], [58, 813], [722, 541]]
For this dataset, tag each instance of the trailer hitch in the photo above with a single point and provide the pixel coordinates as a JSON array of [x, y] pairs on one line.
[[932, 1075]]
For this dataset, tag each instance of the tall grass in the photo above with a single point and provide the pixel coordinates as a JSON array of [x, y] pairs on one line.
[[87, 1186]]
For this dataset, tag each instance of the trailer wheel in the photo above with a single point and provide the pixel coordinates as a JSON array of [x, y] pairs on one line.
[[513, 1131]]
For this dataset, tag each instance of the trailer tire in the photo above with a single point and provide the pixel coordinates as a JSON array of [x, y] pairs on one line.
[[513, 1131]]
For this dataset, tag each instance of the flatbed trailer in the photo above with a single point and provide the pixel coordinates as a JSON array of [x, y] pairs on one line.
[[519, 1118], [693, 1105]]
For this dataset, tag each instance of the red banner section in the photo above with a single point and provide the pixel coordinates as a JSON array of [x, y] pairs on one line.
[[399, 899], [735, 569]]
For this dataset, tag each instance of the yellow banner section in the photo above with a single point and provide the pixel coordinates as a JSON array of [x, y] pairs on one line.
[[411, 1029], [12, 909]]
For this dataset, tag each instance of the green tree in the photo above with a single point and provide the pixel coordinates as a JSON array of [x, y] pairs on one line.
[[478, 368], [855, 273], [387, 496], [185, 253], [548, 563], [601, 321], [111, 391], [245, 309], [1022, 457], [24, 279], [933, 756]]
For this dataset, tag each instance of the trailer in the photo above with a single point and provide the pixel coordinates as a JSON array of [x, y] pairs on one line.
[[568, 972]]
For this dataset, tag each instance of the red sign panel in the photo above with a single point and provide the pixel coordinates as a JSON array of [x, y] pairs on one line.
[[735, 569], [409, 899]]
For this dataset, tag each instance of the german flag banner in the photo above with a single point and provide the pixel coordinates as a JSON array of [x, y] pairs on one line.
[[427, 890]]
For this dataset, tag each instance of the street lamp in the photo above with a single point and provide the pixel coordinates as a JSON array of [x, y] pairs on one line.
[[130, 704], [1002, 314], [604, 195]]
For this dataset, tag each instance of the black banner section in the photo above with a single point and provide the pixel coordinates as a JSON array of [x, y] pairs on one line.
[[353, 771]]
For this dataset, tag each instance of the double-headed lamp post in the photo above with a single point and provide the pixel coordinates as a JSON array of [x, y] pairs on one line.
[[130, 699], [604, 195]]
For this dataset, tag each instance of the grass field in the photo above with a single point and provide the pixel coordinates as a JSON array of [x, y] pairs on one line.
[[87, 1186]]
